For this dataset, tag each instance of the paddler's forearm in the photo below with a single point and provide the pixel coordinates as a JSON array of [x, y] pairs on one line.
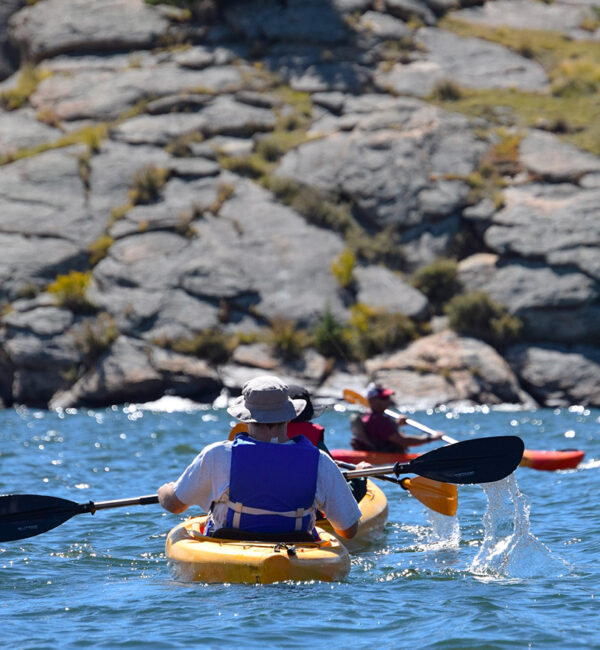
[[347, 533], [168, 499]]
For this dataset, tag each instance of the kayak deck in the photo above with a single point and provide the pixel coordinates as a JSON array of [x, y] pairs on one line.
[[196, 557], [545, 460]]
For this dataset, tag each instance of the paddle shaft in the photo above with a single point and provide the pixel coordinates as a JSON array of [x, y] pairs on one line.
[[147, 500], [381, 477], [421, 427]]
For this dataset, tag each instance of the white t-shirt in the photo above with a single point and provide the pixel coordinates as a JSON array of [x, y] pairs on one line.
[[206, 480]]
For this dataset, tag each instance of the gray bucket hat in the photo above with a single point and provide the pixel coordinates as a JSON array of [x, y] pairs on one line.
[[265, 400]]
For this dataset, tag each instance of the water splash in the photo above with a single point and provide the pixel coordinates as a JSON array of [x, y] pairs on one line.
[[444, 531], [509, 548]]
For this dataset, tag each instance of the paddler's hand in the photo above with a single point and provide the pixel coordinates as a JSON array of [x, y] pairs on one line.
[[363, 465], [401, 420]]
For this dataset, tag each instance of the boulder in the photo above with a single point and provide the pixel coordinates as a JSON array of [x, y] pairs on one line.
[[558, 375], [381, 288], [106, 94], [555, 304], [555, 161], [554, 223], [562, 17], [185, 376], [40, 31], [123, 374], [444, 368]]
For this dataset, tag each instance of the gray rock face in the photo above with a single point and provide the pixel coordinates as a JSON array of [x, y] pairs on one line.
[[21, 130], [105, 94], [221, 117], [378, 165], [538, 222], [378, 287], [44, 196], [409, 9], [204, 248], [384, 26], [555, 161], [520, 14], [555, 305], [42, 32], [476, 63], [470, 62]]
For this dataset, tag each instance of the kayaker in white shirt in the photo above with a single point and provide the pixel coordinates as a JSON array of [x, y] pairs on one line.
[[207, 482]]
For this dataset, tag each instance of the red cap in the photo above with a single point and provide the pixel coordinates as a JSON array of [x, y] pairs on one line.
[[377, 390]]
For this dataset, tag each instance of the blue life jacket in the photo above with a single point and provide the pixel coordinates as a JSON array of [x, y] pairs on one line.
[[272, 486]]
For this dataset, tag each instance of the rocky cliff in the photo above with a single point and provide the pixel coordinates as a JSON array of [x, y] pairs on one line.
[[194, 192]]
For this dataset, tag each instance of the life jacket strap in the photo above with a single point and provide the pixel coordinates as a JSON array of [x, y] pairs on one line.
[[239, 509]]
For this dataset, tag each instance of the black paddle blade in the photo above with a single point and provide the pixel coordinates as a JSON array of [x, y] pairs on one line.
[[27, 515], [481, 460]]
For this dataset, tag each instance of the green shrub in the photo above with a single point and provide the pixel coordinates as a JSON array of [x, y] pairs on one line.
[[28, 81], [320, 211], [70, 291], [375, 330], [438, 281], [287, 341], [28, 290], [147, 184], [211, 344], [382, 247], [447, 91], [284, 188], [287, 136], [224, 191], [94, 336], [330, 338], [252, 166], [476, 314], [343, 269], [99, 248]]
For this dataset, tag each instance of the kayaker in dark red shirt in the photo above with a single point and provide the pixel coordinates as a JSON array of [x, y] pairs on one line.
[[377, 431]]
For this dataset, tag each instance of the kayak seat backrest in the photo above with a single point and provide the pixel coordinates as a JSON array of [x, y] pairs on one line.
[[249, 536]]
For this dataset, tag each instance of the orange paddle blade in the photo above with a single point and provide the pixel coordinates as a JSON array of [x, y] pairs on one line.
[[441, 497], [355, 398], [240, 427]]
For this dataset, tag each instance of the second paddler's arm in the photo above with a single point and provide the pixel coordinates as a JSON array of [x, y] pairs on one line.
[[335, 499]]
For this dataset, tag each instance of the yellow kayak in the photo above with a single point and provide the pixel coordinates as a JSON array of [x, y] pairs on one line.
[[195, 557]]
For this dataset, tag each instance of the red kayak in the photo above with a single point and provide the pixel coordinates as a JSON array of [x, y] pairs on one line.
[[536, 459]]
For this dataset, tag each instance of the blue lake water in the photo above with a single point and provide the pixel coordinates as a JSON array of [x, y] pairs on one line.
[[523, 572]]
